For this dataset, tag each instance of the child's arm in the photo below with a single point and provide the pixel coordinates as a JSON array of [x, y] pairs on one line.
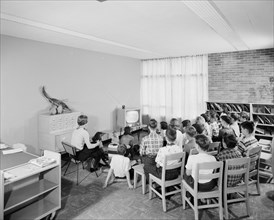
[[128, 180], [110, 173]]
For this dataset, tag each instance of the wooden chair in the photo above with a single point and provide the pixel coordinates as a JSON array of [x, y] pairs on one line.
[[71, 150], [139, 170], [254, 168], [180, 157], [217, 166], [237, 166], [266, 161]]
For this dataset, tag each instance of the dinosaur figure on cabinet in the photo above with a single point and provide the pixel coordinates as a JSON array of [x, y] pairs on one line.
[[57, 106]]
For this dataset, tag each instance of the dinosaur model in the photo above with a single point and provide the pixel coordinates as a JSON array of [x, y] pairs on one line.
[[58, 106]]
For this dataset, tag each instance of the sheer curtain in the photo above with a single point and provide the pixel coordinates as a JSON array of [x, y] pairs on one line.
[[174, 87]]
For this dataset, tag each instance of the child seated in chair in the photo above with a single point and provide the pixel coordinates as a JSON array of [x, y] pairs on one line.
[[202, 157], [98, 137], [119, 167]]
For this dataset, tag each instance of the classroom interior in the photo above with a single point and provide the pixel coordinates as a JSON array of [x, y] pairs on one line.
[[98, 71]]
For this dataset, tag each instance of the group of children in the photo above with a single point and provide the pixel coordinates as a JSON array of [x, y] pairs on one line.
[[172, 138]]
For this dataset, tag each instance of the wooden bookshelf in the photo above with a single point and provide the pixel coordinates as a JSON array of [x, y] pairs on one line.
[[32, 192], [263, 112]]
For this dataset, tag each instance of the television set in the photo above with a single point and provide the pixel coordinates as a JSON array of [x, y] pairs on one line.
[[129, 117]]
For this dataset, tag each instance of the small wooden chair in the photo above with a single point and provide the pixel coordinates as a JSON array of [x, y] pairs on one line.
[[237, 166], [71, 150], [215, 193], [180, 157], [139, 170], [254, 169]]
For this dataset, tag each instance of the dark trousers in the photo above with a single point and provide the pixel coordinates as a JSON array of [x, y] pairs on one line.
[[86, 153], [150, 167], [202, 187]]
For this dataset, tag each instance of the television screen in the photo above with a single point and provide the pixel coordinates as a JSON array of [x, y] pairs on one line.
[[132, 117]]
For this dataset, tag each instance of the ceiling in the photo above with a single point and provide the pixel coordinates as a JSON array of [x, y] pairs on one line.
[[143, 29]]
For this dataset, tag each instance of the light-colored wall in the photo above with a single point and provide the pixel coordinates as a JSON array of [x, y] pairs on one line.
[[92, 82]]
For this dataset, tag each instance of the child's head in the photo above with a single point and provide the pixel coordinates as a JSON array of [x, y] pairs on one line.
[[213, 116], [97, 136], [234, 116], [199, 128], [225, 120], [174, 123], [82, 120], [205, 116], [171, 134], [244, 116], [127, 130], [202, 141], [200, 120], [190, 132], [247, 127], [152, 124], [122, 149], [163, 125], [229, 141]]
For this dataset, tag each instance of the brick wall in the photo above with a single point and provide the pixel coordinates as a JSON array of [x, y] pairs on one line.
[[244, 76]]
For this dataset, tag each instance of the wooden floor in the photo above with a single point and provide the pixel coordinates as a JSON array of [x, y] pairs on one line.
[[90, 201]]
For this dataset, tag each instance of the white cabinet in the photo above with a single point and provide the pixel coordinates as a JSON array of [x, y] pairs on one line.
[[33, 192], [53, 129]]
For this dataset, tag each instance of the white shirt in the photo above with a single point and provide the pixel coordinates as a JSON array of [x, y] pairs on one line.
[[236, 128], [193, 160], [179, 138], [167, 150], [80, 136], [120, 165]]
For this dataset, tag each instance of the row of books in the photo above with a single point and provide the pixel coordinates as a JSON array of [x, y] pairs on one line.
[[263, 109], [229, 106], [263, 119]]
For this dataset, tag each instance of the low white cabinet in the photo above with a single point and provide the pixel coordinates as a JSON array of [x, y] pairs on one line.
[[53, 129], [33, 192]]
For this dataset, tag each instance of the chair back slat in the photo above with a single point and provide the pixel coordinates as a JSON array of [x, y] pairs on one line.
[[176, 156], [178, 162], [217, 173], [69, 148], [254, 155], [237, 167]]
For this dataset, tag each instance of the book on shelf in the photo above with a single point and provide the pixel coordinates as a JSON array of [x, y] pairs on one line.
[[260, 120], [42, 161], [259, 131], [265, 144], [266, 120], [267, 110]]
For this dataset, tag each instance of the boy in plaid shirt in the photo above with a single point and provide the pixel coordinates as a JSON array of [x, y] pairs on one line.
[[229, 151]]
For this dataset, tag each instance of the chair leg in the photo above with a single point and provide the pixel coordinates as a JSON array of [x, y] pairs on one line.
[[144, 184], [258, 185], [221, 207], [67, 168], [149, 187], [77, 173], [135, 180], [164, 198], [183, 197], [247, 203], [225, 205], [196, 211]]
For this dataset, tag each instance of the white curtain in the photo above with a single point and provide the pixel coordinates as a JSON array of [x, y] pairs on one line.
[[174, 87]]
